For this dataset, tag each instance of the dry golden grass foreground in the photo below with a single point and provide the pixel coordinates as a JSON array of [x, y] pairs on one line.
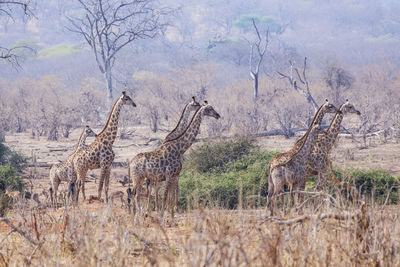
[[333, 233], [97, 234]]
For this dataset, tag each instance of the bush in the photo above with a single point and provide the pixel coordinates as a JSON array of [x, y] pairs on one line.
[[212, 155], [11, 165], [7, 156], [221, 169], [10, 179], [377, 183], [373, 183]]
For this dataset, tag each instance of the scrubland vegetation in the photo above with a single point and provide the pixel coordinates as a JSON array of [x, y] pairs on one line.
[[265, 66]]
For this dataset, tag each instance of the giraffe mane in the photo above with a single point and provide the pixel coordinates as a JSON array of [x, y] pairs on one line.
[[79, 140], [310, 127], [109, 118], [190, 124], [183, 111]]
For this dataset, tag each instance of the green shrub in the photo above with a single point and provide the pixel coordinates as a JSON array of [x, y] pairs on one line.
[[10, 179], [7, 156], [212, 155], [214, 171], [375, 182], [372, 183], [11, 165]]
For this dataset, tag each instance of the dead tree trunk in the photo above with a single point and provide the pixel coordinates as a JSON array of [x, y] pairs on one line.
[[302, 78], [261, 49]]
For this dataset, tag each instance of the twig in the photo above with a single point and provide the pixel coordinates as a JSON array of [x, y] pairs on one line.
[[6, 235], [321, 217], [25, 235]]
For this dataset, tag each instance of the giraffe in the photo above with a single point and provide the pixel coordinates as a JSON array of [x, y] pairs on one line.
[[99, 154], [319, 156], [178, 130], [292, 172], [284, 157], [165, 162], [64, 171], [183, 120]]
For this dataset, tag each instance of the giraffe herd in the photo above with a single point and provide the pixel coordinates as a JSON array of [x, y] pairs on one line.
[[308, 157]]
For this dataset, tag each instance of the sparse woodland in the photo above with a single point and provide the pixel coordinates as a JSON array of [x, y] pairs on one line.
[[264, 67]]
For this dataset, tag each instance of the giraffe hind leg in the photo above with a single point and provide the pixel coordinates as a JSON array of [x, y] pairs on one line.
[[104, 179]]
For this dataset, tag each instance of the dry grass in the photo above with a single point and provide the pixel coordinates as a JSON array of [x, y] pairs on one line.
[[99, 234]]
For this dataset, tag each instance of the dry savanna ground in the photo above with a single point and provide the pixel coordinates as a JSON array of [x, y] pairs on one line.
[[332, 231]]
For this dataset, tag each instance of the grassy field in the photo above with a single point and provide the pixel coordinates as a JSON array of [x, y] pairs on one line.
[[330, 230]]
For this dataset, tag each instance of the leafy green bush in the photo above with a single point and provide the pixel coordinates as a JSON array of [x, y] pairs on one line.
[[377, 183], [372, 183], [211, 156], [7, 156], [11, 164], [10, 179], [215, 173]]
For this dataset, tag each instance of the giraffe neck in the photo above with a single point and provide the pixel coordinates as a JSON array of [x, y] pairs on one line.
[[82, 140], [305, 150], [334, 128], [109, 132], [318, 117], [186, 139], [181, 126]]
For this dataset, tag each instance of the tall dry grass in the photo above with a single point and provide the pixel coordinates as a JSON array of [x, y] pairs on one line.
[[331, 230]]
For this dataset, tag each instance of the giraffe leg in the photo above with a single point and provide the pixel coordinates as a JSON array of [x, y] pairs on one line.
[[149, 188], [104, 179], [56, 183], [157, 197], [176, 195], [81, 174], [320, 181], [168, 185], [107, 182]]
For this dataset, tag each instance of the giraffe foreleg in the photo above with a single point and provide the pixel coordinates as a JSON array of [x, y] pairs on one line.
[[81, 176], [176, 190], [55, 184], [107, 182]]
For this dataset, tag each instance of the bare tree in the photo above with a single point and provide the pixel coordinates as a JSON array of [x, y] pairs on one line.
[[256, 59], [108, 26], [302, 78], [338, 80], [8, 9]]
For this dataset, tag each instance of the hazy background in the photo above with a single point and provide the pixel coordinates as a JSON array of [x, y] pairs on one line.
[[205, 52]]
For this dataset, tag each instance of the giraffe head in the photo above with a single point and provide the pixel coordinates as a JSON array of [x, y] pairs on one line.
[[126, 100], [208, 110], [349, 108], [89, 132], [329, 107], [193, 105]]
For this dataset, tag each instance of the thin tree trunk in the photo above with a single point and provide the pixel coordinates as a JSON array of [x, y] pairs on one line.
[[108, 77], [255, 86]]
